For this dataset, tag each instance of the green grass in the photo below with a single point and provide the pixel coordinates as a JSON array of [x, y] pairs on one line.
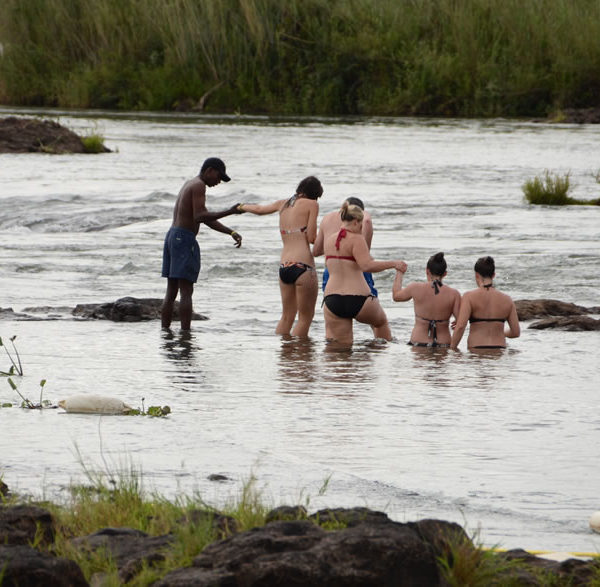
[[552, 189], [366, 57], [93, 143]]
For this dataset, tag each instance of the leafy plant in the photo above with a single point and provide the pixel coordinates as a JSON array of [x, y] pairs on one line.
[[93, 143], [27, 403], [153, 411], [552, 189], [16, 366]]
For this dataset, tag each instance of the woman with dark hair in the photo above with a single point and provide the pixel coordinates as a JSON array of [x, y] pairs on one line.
[[486, 309], [347, 295], [434, 303], [297, 275]]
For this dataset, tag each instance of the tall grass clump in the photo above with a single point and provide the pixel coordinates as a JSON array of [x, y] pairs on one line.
[[368, 57], [552, 189]]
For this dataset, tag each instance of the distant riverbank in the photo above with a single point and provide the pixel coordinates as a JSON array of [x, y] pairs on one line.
[[476, 58]]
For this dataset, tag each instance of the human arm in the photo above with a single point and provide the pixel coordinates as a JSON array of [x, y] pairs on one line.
[[201, 214], [363, 258], [456, 309], [311, 223], [399, 293], [461, 323], [318, 247], [514, 328], [367, 229], [216, 225], [262, 209]]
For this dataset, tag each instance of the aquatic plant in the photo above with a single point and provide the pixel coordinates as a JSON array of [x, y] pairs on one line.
[[16, 366], [552, 189], [93, 143], [153, 411], [369, 57], [26, 402]]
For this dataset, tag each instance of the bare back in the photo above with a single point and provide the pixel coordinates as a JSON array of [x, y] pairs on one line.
[[298, 228], [487, 309], [345, 275], [430, 306]]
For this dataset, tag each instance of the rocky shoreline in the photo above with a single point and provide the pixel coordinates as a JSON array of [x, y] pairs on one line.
[[333, 547], [547, 313]]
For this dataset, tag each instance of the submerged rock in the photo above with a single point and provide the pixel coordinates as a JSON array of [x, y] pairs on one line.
[[34, 135], [569, 323]]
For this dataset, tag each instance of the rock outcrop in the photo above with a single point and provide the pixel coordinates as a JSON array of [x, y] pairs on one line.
[[34, 135], [558, 315], [127, 309]]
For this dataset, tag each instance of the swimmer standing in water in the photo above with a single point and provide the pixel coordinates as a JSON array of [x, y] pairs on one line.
[[486, 309], [298, 282], [347, 294], [434, 304]]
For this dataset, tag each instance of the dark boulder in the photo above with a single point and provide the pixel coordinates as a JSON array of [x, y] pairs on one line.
[[130, 549], [23, 524], [300, 553], [22, 566], [127, 309], [569, 323], [34, 135], [530, 309]]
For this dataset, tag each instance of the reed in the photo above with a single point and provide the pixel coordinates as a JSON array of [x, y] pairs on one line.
[[552, 189], [370, 57]]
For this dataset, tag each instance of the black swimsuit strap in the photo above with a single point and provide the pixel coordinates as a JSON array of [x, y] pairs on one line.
[[436, 284], [432, 327]]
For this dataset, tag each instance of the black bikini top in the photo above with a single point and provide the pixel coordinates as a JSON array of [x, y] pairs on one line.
[[487, 319]]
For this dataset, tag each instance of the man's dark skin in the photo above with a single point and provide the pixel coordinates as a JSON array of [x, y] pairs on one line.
[[189, 212]]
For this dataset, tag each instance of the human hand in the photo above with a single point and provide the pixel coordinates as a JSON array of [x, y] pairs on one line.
[[237, 209], [237, 237], [401, 266]]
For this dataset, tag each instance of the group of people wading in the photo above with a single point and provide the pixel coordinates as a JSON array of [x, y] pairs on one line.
[[349, 293]]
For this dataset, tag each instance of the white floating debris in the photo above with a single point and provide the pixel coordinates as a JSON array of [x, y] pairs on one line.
[[595, 522], [93, 404]]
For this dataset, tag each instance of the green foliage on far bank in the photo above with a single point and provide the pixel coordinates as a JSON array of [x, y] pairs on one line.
[[369, 57]]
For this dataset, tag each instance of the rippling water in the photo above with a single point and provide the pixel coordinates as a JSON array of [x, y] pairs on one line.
[[507, 444]]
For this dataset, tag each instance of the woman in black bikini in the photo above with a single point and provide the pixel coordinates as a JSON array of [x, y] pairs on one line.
[[434, 304], [486, 309], [347, 295], [297, 275]]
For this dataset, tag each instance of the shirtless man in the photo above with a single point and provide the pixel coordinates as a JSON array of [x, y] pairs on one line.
[[434, 303], [181, 253], [331, 223], [486, 309]]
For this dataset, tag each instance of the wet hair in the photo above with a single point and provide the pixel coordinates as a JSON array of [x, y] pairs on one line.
[[350, 212], [311, 187], [485, 266], [356, 202], [437, 264]]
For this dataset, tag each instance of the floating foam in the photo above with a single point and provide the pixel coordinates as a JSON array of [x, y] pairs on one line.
[[93, 404], [595, 522]]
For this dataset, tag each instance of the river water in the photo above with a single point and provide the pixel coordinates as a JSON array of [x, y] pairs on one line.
[[506, 445]]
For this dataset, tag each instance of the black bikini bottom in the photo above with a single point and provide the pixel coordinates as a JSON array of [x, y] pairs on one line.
[[441, 345], [289, 273], [345, 306], [488, 347]]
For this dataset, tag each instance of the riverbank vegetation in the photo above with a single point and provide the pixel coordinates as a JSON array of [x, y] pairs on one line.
[[339, 57], [187, 525]]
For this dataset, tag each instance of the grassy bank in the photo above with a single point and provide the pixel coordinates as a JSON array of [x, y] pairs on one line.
[[369, 57], [119, 501]]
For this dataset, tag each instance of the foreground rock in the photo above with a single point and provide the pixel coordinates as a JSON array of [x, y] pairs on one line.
[[127, 309], [33, 135], [371, 550], [558, 315]]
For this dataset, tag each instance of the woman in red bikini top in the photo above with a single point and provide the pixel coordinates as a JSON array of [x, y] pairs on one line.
[[297, 275], [486, 309], [347, 295]]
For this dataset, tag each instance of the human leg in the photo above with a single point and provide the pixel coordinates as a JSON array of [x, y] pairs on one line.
[[289, 307], [186, 290], [166, 312], [307, 290], [372, 313], [336, 328]]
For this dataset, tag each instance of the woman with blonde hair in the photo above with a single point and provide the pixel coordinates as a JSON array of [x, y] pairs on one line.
[[486, 309], [297, 276], [347, 295]]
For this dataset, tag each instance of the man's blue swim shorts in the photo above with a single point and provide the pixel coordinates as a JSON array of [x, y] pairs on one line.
[[181, 255]]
